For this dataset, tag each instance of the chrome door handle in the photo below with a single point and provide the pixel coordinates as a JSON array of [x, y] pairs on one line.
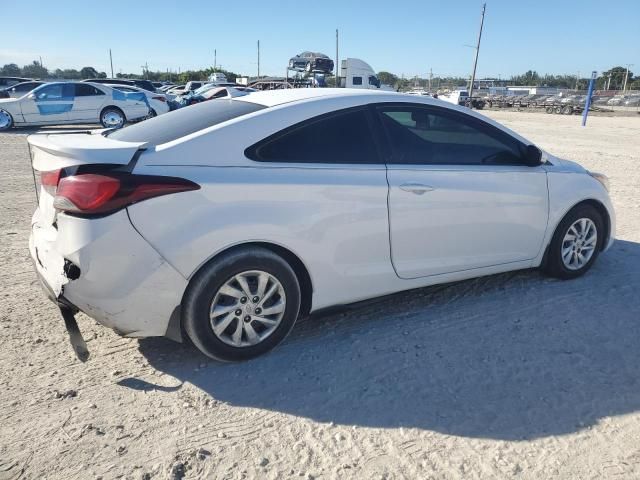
[[417, 188]]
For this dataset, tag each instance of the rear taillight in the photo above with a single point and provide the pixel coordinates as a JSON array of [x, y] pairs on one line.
[[49, 181], [100, 193], [162, 99]]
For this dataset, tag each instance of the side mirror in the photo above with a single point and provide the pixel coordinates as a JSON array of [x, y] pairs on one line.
[[533, 156]]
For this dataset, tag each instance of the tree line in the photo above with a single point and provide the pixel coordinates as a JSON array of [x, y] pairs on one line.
[[612, 79]]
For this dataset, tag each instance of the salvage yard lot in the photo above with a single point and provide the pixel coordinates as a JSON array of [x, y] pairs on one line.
[[513, 375]]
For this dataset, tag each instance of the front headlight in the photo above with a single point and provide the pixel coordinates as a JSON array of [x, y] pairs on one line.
[[602, 178]]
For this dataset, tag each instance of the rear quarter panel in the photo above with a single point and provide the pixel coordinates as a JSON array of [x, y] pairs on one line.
[[335, 220]]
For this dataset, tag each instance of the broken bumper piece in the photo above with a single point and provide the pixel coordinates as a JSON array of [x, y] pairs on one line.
[[105, 269]]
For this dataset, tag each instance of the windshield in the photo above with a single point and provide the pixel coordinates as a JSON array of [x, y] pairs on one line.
[[179, 123]]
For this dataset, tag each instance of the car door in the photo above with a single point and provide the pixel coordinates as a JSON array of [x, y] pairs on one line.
[[87, 104], [48, 104], [460, 195]]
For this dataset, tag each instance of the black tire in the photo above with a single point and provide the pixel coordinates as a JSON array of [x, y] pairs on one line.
[[554, 265], [567, 110], [549, 109], [202, 290], [114, 110], [557, 109]]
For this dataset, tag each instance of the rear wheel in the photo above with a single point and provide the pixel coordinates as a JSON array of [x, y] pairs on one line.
[[241, 305], [567, 110], [6, 120], [576, 243], [112, 117]]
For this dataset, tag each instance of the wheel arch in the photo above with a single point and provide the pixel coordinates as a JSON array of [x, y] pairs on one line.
[[599, 206], [294, 261], [114, 107]]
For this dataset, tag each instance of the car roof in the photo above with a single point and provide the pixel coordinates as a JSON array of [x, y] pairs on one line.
[[274, 98], [271, 98]]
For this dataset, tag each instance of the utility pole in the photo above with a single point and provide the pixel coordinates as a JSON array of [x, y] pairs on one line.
[[215, 59], [337, 60], [577, 78], [41, 61], [111, 62], [430, 78], [624, 88], [258, 59], [145, 69], [475, 62]]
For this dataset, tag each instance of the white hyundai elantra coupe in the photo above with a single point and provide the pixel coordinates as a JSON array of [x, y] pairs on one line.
[[230, 219]]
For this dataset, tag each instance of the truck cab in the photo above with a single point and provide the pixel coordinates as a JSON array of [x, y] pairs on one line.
[[356, 73]]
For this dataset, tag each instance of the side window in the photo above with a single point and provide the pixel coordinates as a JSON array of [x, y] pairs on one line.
[[84, 90], [341, 137], [57, 91], [357, 80], [426, 136]]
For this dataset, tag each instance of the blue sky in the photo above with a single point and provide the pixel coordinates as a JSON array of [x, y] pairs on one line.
[[402, 37]]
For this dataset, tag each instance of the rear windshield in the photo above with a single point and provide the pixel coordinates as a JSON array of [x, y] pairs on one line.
[[185, 121]]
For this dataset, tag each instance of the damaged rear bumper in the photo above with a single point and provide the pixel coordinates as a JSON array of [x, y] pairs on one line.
[[118, 278]]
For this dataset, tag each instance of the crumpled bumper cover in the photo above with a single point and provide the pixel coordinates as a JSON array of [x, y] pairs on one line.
[[124, 283]]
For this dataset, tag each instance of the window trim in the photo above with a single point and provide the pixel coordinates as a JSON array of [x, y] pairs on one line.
[[482, 126], [252, 152]]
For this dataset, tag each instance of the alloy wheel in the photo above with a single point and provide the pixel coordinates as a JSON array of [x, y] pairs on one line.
[[247, 308], [579, 243]]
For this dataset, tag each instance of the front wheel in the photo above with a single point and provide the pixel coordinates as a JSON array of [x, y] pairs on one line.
[[6, 120], [242, 305], [576, 243]]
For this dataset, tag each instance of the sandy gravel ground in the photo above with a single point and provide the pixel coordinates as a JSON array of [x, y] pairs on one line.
[[509, 376]]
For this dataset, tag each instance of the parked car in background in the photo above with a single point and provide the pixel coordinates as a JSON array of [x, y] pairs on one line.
[[312, 62], [217, 77], [457, 97], [239, 216], [19, 89], [617, 100], [632, 101], [145, 84], [216, 92], [59, 103], [167, 87], [183, 99], [182, 89], [10, 81], [158, 102]]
